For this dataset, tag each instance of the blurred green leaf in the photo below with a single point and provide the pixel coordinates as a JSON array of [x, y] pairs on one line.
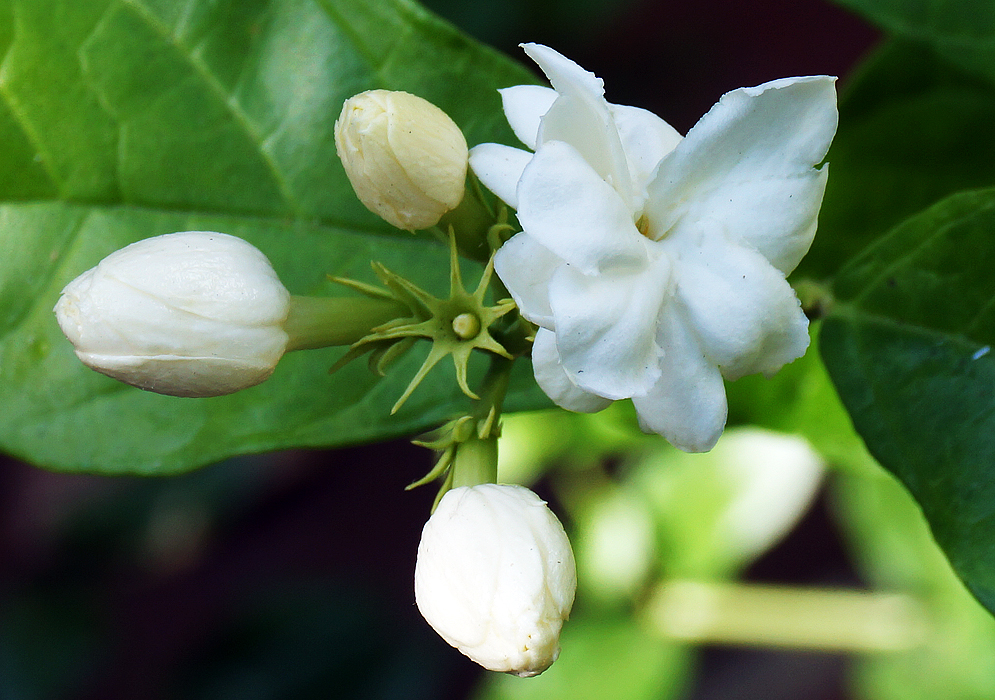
[[913, 129], [907, 345], [602, 658], [123, 120], [961, 30], [955, 659]]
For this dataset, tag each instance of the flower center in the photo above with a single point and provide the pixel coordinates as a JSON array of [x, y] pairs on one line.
[[643, 225]]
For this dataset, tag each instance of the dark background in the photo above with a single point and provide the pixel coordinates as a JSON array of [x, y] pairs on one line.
[[290, 575]]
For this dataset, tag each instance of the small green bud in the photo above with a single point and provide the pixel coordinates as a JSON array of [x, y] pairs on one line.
[[466, 326]]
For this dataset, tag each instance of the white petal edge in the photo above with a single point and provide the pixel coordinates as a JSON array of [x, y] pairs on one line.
[[606, 327], [525, 267], [524, 107], [773, 133], [500, 168], [646, 139], [687, 405], [581, 117], [744, 312], [569, 209], [555, 382]]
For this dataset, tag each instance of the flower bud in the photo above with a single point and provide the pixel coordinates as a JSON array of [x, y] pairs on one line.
[[496, 577], [185, 314], [406, 159]]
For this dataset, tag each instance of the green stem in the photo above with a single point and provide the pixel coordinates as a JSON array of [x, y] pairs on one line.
[[475, 463], [470, 221], [778, 616], [319, 322], [495, 387], [476, 459]]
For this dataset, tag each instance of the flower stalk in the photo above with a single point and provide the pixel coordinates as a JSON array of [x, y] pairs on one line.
[[319, 322]]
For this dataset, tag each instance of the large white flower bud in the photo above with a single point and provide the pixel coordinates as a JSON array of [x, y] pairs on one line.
[[185, 314], [406, 159], [496, 577]]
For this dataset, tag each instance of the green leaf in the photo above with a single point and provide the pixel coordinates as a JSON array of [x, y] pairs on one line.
[[126, 119], [908, 346], [913, 129], [954, 658], [602, 658], [961, 30]]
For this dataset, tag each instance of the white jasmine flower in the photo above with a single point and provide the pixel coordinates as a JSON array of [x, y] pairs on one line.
[[405, 158], [496, 577], [654, 265], [187, 314]]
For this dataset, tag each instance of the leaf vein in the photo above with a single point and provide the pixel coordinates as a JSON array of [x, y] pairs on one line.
[[227, 99]]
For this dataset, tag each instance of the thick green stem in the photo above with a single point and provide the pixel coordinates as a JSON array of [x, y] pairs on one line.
[[476, 459], [778, 616], [320, 322], [475, 463]]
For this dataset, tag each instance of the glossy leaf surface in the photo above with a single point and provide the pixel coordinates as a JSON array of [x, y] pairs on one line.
[[127, 119]]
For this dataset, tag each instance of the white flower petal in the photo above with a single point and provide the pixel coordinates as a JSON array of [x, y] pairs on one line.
[[646, 139], [581, 117], [606, 326], [744, 311], [687, 405], [569, 209], [555, 382], [750, 163], [524, 107], [500, 168], [526, 267]]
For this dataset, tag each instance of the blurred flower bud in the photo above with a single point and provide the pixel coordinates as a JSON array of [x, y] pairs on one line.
[[496, 577], [406, 159], [185, 314]]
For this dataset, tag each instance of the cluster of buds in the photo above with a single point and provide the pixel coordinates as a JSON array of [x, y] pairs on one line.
[[653, 267], [201, 314]]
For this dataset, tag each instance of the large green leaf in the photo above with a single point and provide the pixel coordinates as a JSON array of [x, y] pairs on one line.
[[962, 30], [123, 119], [908, 345], [913, 129]]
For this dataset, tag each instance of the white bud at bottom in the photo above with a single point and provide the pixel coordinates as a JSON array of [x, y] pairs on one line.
[[496, 577]]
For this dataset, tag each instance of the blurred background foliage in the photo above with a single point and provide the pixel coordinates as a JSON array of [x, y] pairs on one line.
[[289, 575]]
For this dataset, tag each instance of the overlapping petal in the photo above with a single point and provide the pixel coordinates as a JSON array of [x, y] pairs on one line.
[[646, 139], [743, 310], [581, 117], [526, 268], [765, 139], [566, 206], [500, 168], [524, 106], [606, 326], [555, 382], [687, 405]]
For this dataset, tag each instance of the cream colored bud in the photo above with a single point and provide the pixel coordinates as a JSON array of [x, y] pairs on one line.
[[496, 577], [186, 314], [406, 159]]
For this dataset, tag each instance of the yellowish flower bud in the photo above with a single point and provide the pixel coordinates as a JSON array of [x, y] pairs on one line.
[[406, 159]]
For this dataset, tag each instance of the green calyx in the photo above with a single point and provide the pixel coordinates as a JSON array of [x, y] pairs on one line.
[[456, 325], [467, 449]]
